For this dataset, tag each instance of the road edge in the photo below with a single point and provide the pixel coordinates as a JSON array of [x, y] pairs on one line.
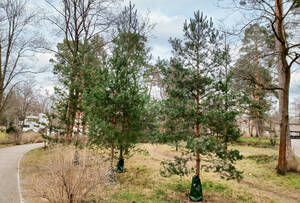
[[19, 180], [18, 175]]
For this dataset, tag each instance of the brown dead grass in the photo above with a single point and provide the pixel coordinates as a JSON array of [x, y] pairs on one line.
[[260, 183], [27, 138], [31, 137]]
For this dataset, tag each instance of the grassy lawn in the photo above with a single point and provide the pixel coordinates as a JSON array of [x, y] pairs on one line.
[[142, 182], [254, 141]]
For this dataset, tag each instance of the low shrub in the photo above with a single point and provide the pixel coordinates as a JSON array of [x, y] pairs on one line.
[[61, 180]]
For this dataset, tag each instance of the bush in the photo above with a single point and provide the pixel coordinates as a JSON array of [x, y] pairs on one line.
[[11, 129], [60, 180]]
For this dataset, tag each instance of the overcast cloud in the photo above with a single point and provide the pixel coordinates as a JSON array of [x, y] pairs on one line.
[[169, 16]]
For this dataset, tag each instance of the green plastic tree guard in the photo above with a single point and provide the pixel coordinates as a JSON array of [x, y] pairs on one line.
[[196, 190], [120, 166]]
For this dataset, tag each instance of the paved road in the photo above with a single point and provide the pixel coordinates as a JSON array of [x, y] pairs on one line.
[[9, 161], [296, 146]]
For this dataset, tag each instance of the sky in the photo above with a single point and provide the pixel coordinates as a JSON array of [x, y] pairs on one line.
[[168, 17]]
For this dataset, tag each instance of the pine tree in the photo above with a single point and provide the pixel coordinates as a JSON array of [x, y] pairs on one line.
[[74, 79], [116, 104], [198, 109], [253, 72]]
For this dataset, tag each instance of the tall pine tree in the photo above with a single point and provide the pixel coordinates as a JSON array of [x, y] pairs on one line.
[[253, 73], [116, 105], [198, 109]]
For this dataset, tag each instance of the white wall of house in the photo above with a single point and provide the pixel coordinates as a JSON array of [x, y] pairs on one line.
[[35, 123]]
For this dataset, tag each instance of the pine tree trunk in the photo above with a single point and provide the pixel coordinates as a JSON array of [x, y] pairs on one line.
[[197, 135], [249, 127], [256, 128], [121, 152], [198, 164], [150, 89], [253, 120], [70, 117], [257, 89], [112, 152]]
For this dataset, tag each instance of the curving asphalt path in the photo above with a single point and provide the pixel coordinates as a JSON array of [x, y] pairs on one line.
[[296, 146], [9, 172]]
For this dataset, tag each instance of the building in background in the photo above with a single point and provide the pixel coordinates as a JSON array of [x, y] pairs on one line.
[[35, 123]]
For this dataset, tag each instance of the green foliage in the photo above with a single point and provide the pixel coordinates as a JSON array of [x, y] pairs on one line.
[[253, 73], [75, 74], [216, 156], [297, 3], [151, 122], [178, 166], [11, 129], [116, 101], [201, 104]]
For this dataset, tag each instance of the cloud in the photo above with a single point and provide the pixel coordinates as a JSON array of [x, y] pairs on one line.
[[295, 85], [171, 7], [45, 79], [165, 27]]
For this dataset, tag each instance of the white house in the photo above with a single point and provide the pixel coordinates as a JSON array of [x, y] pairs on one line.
[[35, 123]]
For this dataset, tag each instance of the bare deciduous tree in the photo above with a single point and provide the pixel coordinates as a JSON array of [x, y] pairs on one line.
[[278, 14], [79, 21], [26, 100], [15, 43]]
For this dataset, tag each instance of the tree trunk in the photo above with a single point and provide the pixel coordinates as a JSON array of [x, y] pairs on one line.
[[256, 92], [253, 119], [1, 102], [198, 164], [250, 127], [284, 83], [150, 89], [284, 119], [71, 114], [197, 135], [121, 152], [112, 156]]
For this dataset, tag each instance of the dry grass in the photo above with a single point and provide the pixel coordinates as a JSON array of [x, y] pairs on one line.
[[31, 137], [6, 139], [261, 182], [27, 137], [295, 163], [142, 182]]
